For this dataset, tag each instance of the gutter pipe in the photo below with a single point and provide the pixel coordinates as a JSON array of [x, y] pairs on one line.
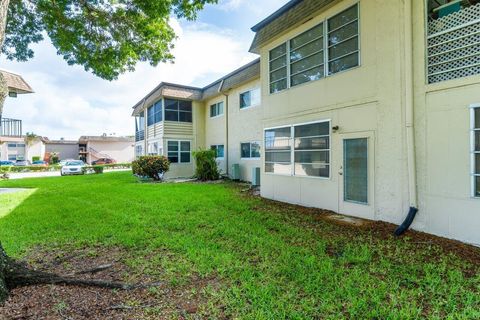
[[409, 121], [220, 90]]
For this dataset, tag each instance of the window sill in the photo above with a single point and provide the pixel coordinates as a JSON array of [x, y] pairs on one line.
[[215, 117], [250, 159], [250, 107]]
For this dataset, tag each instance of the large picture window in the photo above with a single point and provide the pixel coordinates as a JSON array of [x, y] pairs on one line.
[[178, 110], [300, 150], [216, 109], [250, 150], [476, 150], [312, 150], [179, 151], [328, 48], [278, 68], [278, 150]]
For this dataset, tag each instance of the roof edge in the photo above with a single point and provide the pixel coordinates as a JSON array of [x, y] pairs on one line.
[[275, 15]]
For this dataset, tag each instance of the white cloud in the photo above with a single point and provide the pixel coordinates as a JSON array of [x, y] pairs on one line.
[[69, 102]]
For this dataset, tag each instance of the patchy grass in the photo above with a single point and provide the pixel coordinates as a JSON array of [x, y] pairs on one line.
[[272, 261]]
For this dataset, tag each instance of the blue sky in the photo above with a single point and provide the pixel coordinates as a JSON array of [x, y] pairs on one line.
[[69, 102]]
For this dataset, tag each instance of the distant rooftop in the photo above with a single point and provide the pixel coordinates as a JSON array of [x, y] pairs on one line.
[[16, 83], [106, 139]]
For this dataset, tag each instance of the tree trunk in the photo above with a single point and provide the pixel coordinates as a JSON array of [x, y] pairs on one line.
[[3, 95], [3, 22]]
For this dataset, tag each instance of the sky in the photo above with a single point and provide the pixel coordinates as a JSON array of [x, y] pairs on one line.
[[69, 102]]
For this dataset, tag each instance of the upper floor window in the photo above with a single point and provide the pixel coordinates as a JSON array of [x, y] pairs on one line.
[[179, 151], [453, 42], [216, 109], [250, 150], [154, 113], [328, 48], [178, 110], [139, 123], [219, 150], [300, 150], [476, 150], [250, 98]]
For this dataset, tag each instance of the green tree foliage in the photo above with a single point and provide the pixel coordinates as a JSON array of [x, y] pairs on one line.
[[106, 37], [152, 167], [206, 165]]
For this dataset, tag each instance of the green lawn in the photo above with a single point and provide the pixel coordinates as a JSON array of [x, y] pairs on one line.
[[272, 261]]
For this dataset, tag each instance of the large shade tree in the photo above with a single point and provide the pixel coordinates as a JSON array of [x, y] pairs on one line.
[[107, 38]]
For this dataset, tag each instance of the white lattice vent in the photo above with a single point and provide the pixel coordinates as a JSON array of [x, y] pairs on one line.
[[455, 19], [453, 45]]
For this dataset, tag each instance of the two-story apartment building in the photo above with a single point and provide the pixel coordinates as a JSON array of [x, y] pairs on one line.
[[174, 120], [367, 108]]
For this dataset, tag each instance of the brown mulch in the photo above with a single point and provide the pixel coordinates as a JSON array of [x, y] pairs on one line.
[[51, 302]]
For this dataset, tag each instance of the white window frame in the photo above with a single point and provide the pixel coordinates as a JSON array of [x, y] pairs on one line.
[[179, 152], [326, 59], [473, 153], [216, 105], [251, 158], [252, 105], [292, 150], [216, 147]]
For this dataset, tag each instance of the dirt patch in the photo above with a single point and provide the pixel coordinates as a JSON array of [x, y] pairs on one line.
[[377, 229], [161, 301]]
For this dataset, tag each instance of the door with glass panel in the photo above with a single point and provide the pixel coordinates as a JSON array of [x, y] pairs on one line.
[[357, 176]]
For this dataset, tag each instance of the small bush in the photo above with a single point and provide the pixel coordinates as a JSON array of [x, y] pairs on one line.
[[153, 167], [98, 169], [36, 158], [206, 165]]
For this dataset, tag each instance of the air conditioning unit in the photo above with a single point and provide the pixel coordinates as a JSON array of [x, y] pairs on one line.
[[235, 174], [255, 176]]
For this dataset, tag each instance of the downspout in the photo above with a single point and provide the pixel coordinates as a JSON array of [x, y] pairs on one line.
[[226, 126], [409, 121], [145, 128]]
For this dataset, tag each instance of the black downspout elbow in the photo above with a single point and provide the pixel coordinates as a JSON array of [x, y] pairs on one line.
[[408, 221]]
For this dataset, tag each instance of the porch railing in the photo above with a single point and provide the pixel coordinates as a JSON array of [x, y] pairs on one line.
[[10, 127], [140, 135]]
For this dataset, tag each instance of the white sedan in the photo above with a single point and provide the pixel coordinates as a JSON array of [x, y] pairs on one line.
[[72, 167]]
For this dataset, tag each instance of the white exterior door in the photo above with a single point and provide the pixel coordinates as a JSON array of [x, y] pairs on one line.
[[356, 175]]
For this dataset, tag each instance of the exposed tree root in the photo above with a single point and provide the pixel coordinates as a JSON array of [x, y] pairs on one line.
[[14, 274]]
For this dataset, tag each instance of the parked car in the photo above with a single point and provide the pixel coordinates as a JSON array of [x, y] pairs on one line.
[[72, 167], [22, 163], [63, 162], [40, 163], [7, 163], [103, 161]]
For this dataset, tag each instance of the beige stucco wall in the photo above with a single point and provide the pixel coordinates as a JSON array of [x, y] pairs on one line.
[[120, 151], [244, 125], [35, 149], [366, 100], [442, 126]]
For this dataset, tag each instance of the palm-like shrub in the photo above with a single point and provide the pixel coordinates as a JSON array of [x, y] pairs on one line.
[[206, 165], [152, 167]]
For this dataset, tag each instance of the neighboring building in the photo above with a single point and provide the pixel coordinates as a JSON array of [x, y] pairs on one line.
[[21, 148], [16, 85], [368, 108], [65, 149], [120, 149], [225, 116]]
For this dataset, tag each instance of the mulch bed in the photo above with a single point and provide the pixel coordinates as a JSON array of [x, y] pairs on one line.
[[51, 302]]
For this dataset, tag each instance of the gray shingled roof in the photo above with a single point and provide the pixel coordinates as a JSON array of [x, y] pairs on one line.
[[234, 79], [289, 16], [16, 83]]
